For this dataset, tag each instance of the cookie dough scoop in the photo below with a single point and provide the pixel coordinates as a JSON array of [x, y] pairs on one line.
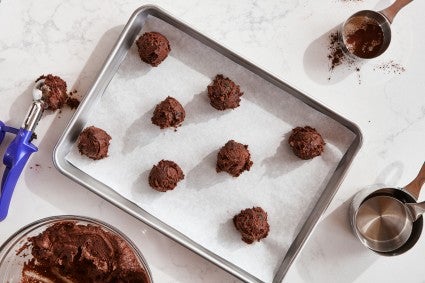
[[20, 149]]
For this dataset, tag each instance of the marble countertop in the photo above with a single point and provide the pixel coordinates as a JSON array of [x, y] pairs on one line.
[[288, 38]]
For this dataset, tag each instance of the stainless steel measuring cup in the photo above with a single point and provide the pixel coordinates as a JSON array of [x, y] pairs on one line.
[[367, 33], [383, 226]]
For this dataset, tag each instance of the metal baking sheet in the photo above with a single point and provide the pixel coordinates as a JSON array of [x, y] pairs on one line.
[[276, 105]]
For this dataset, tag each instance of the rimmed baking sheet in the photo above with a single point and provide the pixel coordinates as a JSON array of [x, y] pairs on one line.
[[199, 211]]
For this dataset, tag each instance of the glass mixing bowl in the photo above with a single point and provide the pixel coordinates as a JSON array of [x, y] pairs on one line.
[[15, 251]]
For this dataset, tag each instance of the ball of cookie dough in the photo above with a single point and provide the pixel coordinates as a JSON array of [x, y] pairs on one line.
[[165, 175], [224, 93], [306, 142], [168, 113], [94, 143], [252, 224], [234, 158], [54, 92], [153, 48]]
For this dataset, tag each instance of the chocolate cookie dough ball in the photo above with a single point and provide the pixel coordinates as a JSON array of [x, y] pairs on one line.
[[54, 93], [168, 113], [94, 143], [233, 158], [224, 93], [165, 175], [252, 224], [306, 142], [153, 48]]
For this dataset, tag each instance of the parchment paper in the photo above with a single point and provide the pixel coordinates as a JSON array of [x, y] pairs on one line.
[[204, 203]]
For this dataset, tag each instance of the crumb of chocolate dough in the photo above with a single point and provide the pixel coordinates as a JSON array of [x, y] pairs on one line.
[[21, 249], [306, 142], [33, 136], [72, 102], [252, 224], [53, 90], [168, 113], [81, 253], [234, 158], [94, 143], [153, 48], [224, 93], [165, 175]]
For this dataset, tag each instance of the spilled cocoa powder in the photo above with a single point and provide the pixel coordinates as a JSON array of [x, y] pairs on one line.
[[339, 59], [390, 67], [335, 55]]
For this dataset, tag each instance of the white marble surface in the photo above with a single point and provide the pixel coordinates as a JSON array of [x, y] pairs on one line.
[[288, 38]]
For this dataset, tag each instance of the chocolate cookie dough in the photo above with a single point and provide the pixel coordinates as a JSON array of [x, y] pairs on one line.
[[165, 175], [233, 158], [94, 143], [306, 142], [54, 92], [153, 48], [168, 113], [81, 253], [224, 93], [252, 224]]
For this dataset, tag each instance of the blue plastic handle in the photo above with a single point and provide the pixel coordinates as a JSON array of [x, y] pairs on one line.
[[15, 158]]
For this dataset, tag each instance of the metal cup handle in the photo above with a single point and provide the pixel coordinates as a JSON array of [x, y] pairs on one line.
[[414, 187]]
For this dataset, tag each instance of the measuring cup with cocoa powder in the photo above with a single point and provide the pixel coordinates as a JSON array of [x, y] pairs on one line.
[[367, 34]]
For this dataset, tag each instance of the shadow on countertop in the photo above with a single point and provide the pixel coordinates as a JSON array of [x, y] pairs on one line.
[[333, 249]]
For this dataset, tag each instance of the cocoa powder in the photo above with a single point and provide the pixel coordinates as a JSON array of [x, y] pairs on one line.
[[366, 40], [390, 67]]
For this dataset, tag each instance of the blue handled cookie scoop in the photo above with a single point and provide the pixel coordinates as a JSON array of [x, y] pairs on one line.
[[20, 149]]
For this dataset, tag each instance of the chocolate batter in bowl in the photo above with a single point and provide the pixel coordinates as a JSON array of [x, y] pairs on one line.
[[71, 249]]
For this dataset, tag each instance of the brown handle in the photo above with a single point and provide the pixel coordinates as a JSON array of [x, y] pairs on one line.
[[415, 186], [392, 10]]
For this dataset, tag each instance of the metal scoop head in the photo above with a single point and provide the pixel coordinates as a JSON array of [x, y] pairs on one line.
[[37, 93], [37, 107]]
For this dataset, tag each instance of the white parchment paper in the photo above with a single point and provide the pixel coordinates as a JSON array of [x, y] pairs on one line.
[[204, 203]]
